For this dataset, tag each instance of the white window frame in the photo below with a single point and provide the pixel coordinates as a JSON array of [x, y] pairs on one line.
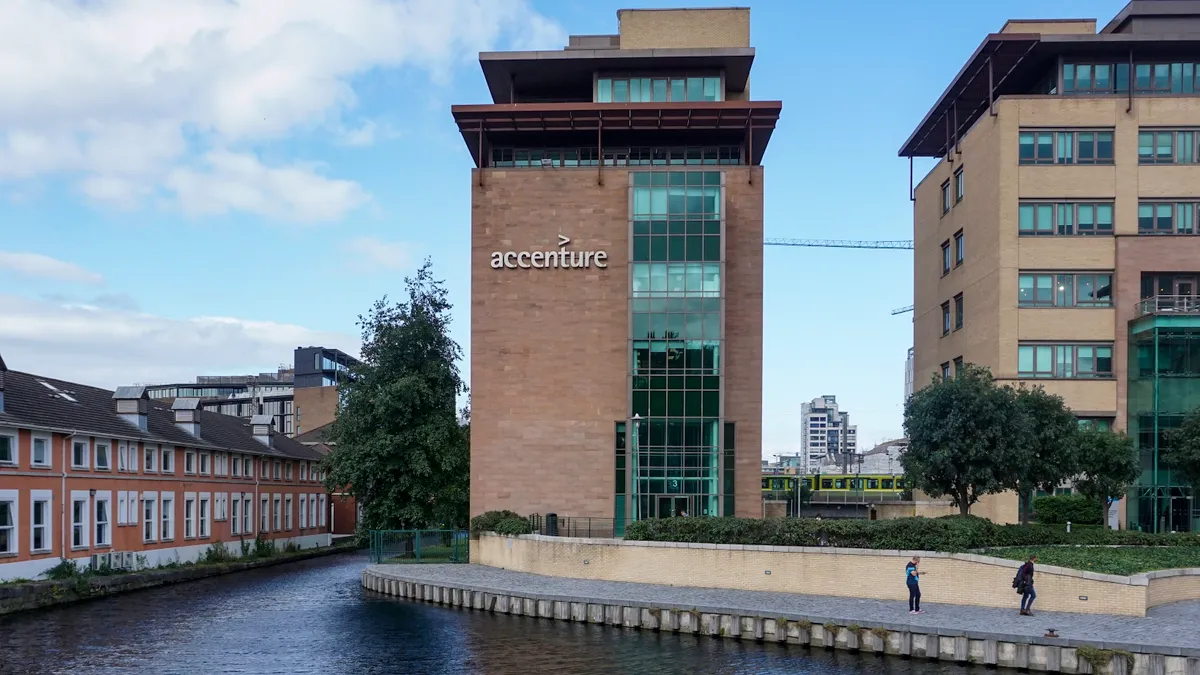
[[122, 508], [133, 518], [166, 502], [248, 466], [264, 508], [134, 449], [287, 471], [220, 507], [247, 514], [49, 441], [303, 471], [276, 511], [102, 497], [150, 454], [86, 445], [45, 497], [303, 511], [14, 448], [312, 511], [265, 471], [323, 510], [204, 511], [168, 460], [149, 507], [81, 525], [287, 512], [237, 466], [12, 498], [189, 460], [235, 515], [205, 461], [189, 515], [108, 460], [122, 455]]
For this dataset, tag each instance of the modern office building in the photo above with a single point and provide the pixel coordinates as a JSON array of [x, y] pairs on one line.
[[827, 432], [1056, 236], [616, 272]]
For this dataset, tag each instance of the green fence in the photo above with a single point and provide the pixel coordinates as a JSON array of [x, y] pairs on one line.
[[419, 546]]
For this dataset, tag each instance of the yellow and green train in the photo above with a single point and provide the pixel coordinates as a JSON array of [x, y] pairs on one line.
[[858, 483]]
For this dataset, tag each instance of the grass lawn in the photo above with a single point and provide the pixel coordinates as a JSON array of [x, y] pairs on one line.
[[1124, 560]]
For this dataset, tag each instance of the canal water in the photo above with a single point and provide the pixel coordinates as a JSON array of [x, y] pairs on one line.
[[313, 617]]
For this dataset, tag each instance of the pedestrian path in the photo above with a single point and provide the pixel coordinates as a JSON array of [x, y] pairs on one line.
[[1169, 629]]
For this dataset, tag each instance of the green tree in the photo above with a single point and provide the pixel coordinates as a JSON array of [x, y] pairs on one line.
[[1108, 465], [1183, 457], [1050, 457], [965, 436], [400, 446]]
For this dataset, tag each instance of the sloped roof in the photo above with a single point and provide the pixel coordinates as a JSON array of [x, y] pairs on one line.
[[318, 435]]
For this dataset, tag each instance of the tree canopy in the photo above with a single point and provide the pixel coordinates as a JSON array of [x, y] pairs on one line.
[[1107, 464], [398, 444], [1051, 456], [1183, 455]]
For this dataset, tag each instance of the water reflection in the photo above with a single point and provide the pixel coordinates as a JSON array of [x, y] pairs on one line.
[[312, 617]]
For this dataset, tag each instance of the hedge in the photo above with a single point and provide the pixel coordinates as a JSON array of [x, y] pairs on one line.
[[1075, 509], [947, 534], [487, 522]]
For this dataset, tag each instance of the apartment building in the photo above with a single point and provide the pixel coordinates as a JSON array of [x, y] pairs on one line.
[[827, 432], [1055, 239], [104, 477]]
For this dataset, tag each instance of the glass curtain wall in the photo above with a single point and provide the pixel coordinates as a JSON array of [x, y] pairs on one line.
[[674, 442]]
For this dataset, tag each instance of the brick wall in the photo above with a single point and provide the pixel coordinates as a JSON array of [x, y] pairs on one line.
[[683, 28], [314, 407], [963, 579]]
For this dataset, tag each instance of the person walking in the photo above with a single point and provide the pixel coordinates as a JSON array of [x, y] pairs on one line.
[[912, 575], [1024, 583]]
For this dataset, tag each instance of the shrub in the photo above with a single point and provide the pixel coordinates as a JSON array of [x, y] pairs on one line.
[[1068, 508], [65, 569], [217, 552], [948, 534], [512, 527], [486, 522], [263, 547]]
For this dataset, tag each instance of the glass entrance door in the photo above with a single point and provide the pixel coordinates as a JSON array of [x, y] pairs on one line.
[[1185, 293]]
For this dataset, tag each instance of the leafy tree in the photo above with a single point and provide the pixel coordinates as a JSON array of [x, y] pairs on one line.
[[400, 447], [1184, 454], [1050, 457], [965, 436], [1108, 465]]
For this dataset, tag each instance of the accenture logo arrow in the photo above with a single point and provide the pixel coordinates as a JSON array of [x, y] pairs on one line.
[[563, 241]]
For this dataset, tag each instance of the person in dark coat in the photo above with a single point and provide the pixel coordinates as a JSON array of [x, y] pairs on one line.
[[912, 575], [1025, 586]]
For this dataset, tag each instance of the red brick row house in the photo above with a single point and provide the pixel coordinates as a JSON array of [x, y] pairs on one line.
[[105, 477]]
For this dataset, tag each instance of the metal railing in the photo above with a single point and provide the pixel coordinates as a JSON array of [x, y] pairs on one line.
[[419, 546], [1169, 304], [573, 526]]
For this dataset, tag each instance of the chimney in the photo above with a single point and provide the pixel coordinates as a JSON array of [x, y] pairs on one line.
[[3, 369], [187, 415], [133, 405], [261, 425]]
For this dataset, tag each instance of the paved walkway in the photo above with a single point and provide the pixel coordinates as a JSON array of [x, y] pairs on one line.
[[1170, 629]]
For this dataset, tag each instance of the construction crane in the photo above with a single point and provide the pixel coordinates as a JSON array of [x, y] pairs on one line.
[[905, 244], [902, 310]]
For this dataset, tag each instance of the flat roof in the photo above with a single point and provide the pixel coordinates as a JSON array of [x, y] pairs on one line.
[[736, 117], [1018, 61], [573, 68]]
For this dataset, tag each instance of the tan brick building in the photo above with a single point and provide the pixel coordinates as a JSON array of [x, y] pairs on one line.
[[1055, 239], [616, 272]]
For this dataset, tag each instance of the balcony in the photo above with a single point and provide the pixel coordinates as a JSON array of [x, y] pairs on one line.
[[1169, 305]]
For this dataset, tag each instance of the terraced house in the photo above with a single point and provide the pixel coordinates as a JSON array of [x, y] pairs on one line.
[[1056, 237], [114, 478]]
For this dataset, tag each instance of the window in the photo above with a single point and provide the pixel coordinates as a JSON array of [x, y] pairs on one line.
[[103, 513], [265, 517], [945, 319], [41, 451], [237, 466], [40, 528], [168, 460], [958, 311], [247, 515], [220, 507], [322, 510], [706, 87], [150, 458], [1072, 289], [1166, 218], [79, 455], [1166, 147], [132, 514], [945, 257], [8, 522], [79, 518], [149, 517], [205, 468], [102, 457], [946, 370], [287, 512], [266, 469], [958, 366], [958, 248], [189, 516], [303, 508], [8, 448], [122, 456], [1065, 147], [1065, 219], [945, 198], [276, 512], [235, 520], [133, 456], [123, 508], [205, 513], [958, 185], [275, 475], [312, 510], [287, 471], [1065, 361], [1100, 423], [168, 516], [189, 462], [303, 470]]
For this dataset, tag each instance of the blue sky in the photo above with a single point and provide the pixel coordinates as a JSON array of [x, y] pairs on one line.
[[198, 187]]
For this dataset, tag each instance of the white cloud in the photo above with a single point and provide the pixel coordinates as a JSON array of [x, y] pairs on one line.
[[128, 89], [110, 347], [38, 266], [239, 182], [370, 253], [366, 134]]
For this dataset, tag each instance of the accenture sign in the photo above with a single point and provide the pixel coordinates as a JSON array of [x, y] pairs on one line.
[[541, 260]]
